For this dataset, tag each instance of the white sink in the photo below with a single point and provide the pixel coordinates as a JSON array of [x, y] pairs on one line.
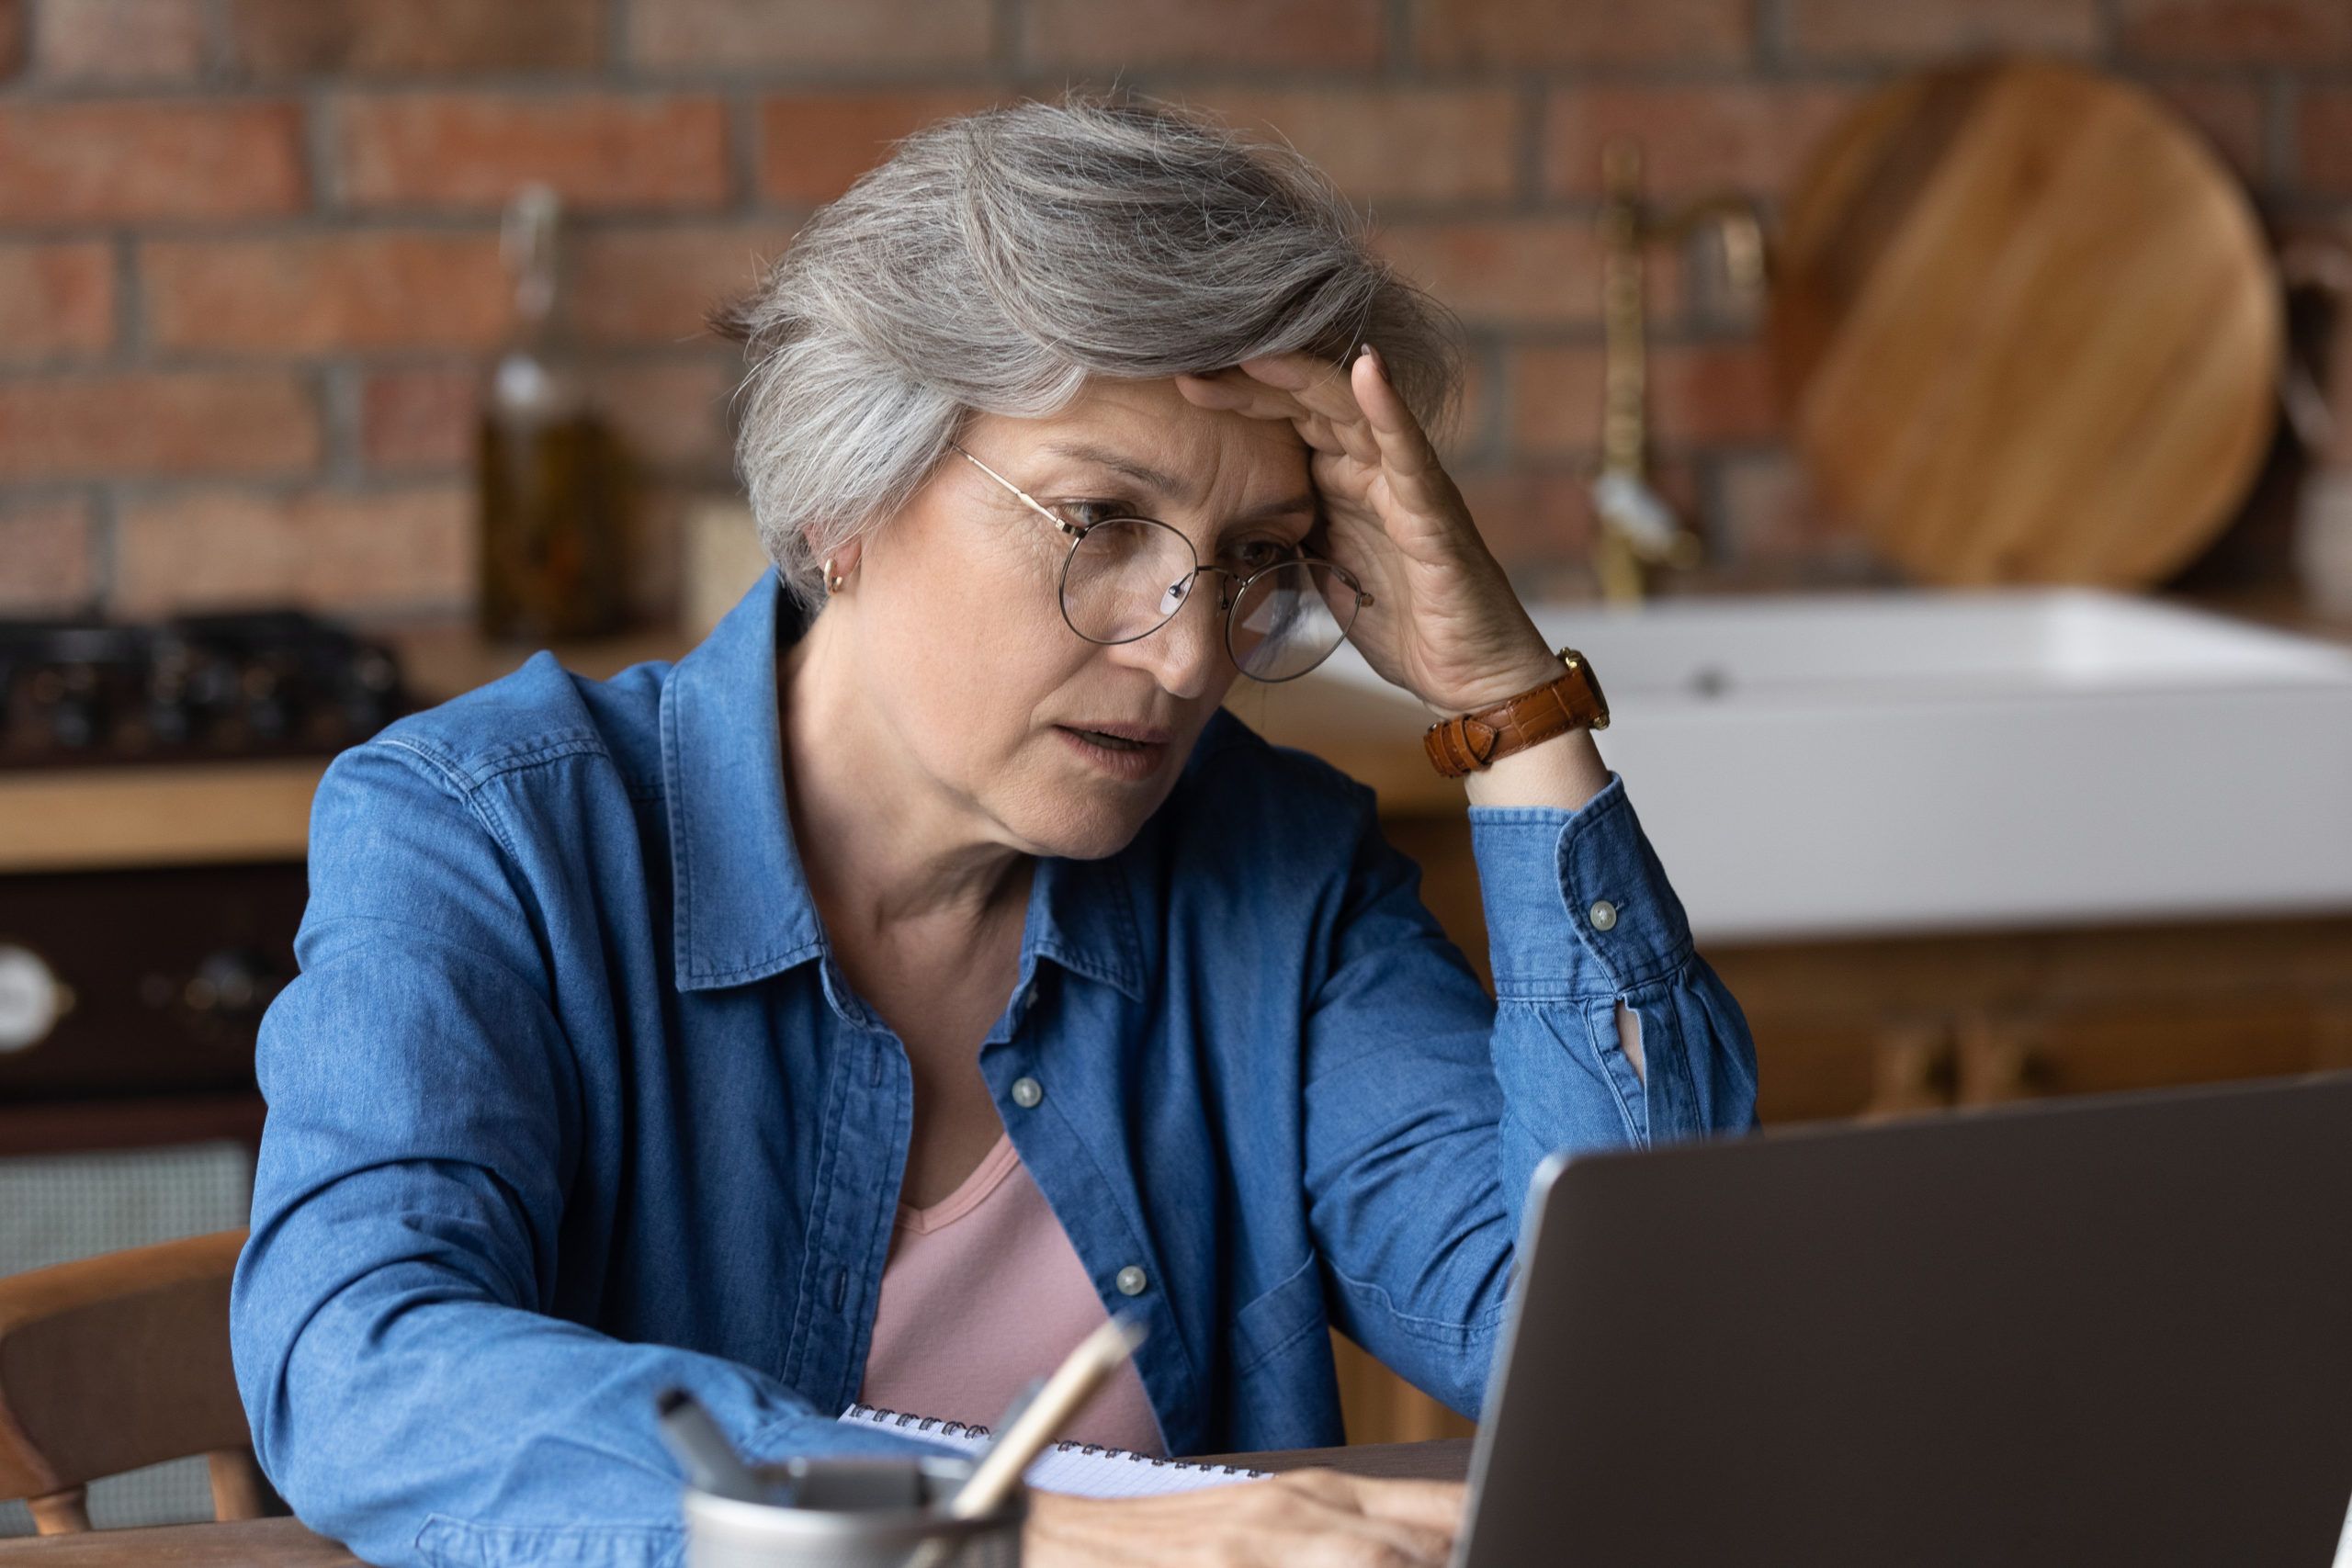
[[1903, 762]]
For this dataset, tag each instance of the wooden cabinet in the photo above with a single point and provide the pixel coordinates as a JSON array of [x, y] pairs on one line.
[[1912, 1024]]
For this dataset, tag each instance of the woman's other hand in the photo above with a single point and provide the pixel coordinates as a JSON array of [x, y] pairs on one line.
[[1444, 623], [1303, 1518]]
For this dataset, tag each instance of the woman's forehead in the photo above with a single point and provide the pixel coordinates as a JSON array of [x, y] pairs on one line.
[[1149, 434]]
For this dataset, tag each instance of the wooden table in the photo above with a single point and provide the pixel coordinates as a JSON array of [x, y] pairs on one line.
[[284, 1543]]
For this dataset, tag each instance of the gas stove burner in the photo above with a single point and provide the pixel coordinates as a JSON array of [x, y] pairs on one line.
[[258, 684]]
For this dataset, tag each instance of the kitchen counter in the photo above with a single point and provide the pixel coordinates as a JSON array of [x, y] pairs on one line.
[[2280, 606], [222, 813], [244, 812]]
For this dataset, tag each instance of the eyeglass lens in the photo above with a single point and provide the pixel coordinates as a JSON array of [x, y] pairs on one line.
[[1127, 576]]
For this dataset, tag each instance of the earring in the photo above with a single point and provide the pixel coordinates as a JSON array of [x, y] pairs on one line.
[[832, 583]]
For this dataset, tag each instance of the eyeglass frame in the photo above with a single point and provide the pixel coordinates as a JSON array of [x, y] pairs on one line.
[[1077, 531]]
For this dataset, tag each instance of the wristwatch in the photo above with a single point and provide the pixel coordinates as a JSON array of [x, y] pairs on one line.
[[1469, 742]]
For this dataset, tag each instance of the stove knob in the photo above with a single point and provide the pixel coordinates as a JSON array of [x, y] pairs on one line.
[[267, 710], [32, 999], [170, 713], [171, 720], [227, 983], [65, 705]]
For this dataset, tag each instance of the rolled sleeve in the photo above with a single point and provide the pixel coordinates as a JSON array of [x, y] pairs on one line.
[[1419, 1195], [1580, 919], [1576, 902]]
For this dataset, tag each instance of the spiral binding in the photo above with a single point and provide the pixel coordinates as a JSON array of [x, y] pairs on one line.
[[874, 1415]]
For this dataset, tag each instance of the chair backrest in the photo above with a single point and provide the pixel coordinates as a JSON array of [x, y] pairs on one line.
[[116, 1362]]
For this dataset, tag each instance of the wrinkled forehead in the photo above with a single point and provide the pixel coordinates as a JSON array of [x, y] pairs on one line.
[[1161, 448]]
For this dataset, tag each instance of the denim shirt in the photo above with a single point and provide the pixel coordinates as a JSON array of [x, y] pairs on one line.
[[570, 1102]]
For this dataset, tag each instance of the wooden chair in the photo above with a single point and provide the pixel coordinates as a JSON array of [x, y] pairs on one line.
[[120, 1361]]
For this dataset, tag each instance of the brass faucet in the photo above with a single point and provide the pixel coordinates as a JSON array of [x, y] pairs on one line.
[[1639, 531]]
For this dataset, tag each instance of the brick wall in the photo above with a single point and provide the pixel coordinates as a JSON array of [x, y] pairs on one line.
[[248, 252]]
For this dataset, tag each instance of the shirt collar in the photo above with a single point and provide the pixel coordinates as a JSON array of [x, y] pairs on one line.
[[742, 907]]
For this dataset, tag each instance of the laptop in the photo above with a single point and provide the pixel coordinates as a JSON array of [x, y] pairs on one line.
[[2111, 1330]]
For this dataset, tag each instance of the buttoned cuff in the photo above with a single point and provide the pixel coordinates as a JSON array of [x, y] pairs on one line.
[[1576, 902]]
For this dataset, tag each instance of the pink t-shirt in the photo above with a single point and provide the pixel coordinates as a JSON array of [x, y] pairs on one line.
[[981, 1293]]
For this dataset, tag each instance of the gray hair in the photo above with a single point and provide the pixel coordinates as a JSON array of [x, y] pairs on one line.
[[997, 260]]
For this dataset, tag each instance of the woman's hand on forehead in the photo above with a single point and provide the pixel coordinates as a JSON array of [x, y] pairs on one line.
[[1444, 623], [1315, 395]]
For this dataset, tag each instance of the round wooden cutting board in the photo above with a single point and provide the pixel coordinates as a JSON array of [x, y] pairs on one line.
[[2028, 329]]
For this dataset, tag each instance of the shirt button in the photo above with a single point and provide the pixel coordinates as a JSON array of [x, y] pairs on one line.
[[1027, 1092], [1131, 1280], [1604, 914]]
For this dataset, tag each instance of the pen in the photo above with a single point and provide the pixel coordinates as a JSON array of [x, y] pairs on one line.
[[1043, 1415], [710, 1459], [1073, 1385]]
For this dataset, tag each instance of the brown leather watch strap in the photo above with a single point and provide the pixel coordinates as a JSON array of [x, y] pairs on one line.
[[1470, 741]]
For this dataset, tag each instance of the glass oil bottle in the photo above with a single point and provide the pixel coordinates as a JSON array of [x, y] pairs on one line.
[[552, 480]]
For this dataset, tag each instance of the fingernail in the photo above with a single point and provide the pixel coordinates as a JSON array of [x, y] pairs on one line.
[[1371, 353]]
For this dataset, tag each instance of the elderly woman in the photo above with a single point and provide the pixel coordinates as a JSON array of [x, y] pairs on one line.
[[925, 965]]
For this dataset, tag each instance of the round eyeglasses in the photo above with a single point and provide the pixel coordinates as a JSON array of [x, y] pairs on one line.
[[1125, 577]]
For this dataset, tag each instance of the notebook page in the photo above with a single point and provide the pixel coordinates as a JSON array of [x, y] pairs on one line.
[[1080, 1470]]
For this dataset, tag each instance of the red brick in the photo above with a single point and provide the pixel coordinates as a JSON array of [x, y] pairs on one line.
[[1142, 34], [671, 416], [809, 34], [471, 150], [2228, 114], [114, 426], [46, 564], [1537, 520], [1517, 35], [2323, 140], [1378, 143], [1554, 398], [1934, 30], [2205, 32], [121, 41], [312, 294], [1713, 394], [78, 163], [401, 550], [1470, 438], [1385, 143], [1695, 139], [1518, 271], [1530, 516], [419, 416], [369, 37], [654, 285], [813, 144], [56, 300], [1699, 395], [1770, 512]]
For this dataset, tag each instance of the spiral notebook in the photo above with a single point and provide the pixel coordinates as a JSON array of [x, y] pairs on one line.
[[1082, 1469]]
